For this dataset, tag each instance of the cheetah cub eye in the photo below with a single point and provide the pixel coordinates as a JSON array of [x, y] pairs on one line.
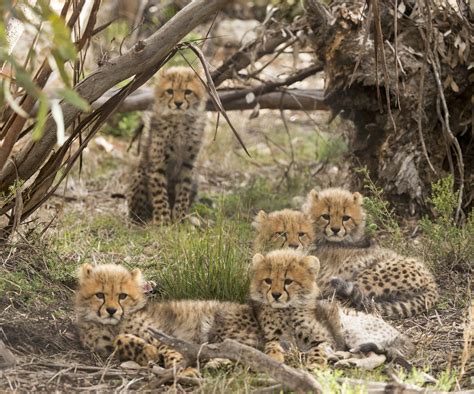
[[283, 234], [325, 216], [288, 281], [122, 296], [100, 296], [345, 218], [268, 281]]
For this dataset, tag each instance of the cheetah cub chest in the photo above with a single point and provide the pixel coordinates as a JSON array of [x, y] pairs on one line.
[[163, 185]]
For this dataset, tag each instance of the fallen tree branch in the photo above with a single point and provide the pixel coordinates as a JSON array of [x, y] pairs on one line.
[[294, 379], [294, 99]]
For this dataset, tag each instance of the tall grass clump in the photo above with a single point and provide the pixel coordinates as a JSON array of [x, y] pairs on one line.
[[210, 263]]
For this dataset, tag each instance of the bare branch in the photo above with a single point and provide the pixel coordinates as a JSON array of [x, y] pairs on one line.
[[297, 380]]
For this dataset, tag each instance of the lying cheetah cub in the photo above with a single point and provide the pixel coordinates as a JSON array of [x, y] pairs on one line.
[[369, 276], [163, 185], [283, 293], [112, 313], [282, 229]]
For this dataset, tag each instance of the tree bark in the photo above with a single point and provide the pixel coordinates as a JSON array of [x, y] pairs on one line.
[[381, 73]]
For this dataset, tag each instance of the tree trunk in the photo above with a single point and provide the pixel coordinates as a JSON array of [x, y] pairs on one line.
[[378, 84]]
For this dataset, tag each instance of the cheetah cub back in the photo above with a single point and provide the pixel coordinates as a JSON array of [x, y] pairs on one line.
[[282, 229], [367, 276], [163, 185]]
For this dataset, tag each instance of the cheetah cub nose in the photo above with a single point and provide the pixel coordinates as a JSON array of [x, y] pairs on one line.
[[178, 104], [293, 246], [335, 230], [276, 296], [111, 311]]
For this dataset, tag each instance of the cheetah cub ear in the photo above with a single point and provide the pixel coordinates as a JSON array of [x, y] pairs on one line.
[[312, 197], [358, 199], [259, 219], [313, 265], [84, 272], [256, 261], [137, 276]]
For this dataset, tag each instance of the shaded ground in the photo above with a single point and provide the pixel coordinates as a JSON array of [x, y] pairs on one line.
[[36, 318]]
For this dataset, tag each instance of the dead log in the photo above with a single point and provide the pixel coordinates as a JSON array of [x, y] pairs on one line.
[[404, 82], [293, 99]]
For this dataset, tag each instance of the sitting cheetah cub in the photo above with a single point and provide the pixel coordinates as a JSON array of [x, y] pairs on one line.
[[113, 313], [163, 184], [283, 293], [282, 229], [368, 276]]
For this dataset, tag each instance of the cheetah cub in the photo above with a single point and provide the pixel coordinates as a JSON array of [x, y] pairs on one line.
[[113, 314], [283, 292], [366, 275], [282, 229], [163, 186]]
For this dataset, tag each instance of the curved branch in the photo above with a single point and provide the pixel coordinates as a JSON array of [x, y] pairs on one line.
[[142, 56]]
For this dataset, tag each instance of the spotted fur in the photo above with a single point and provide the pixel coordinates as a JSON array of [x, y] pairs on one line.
[[163, 185], [284, 293], [367, 276], [113, 313]]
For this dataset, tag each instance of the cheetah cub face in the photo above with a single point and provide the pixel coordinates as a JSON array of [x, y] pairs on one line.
[[284, 278], [282, 229], [107, 293], [179, 90], [337, 214]]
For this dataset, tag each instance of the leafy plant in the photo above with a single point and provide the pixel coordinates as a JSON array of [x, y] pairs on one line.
[[380, 215], [444, 242]]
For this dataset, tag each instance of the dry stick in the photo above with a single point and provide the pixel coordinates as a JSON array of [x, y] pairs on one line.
[[433, 55], [297, 380], [420, 104], [213, 93], [256, 49], [155, 48], [271, 86], [379, 35]]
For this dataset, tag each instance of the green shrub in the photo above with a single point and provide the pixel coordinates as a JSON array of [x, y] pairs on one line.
[[380, 216], [445, 243]]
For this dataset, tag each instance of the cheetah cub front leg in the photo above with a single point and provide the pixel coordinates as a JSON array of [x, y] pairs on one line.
[[159, 195], [131, 347], [185, 182]]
